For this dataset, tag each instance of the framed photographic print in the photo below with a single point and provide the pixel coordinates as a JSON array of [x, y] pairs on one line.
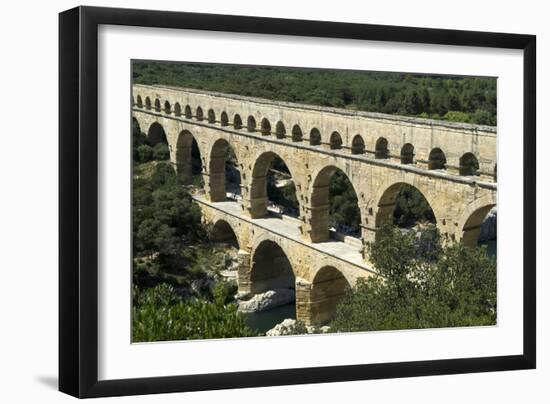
[[251, 201]]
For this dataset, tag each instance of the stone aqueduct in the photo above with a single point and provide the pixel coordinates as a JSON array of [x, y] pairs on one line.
[[453, 165]]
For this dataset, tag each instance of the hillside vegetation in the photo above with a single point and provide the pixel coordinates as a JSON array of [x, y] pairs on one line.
[[452, 98]]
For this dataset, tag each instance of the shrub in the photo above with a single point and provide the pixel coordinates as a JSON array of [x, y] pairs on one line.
[[144, 153], [161, 152]]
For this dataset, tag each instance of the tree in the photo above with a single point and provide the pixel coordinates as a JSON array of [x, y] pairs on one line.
[[437, 287]]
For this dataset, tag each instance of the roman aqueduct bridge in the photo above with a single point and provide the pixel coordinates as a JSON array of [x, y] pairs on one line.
[[452, 164]]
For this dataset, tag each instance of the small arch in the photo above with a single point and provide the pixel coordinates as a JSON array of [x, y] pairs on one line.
[[297, 135], [265, 127], [167, 107], [328, 288], [280, 131], [224, 119], [437, 159], [211, 116], [251, 124], [177, 109], [139, 101], [381, 149], [237, 122], [357, 145], [335, 141], [147, 103], [157, 105], [200, 115], [315, 137], [222, 232], [270, 269], [188, 113], [407, 154], [495, 172], [468, 165]]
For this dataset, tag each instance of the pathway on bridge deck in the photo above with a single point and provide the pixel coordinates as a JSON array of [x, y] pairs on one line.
[[289, 228]]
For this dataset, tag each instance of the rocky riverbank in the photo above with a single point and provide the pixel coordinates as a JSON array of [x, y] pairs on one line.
[[266, 300]]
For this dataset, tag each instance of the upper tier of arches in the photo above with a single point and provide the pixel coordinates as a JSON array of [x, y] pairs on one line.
[[467, 163]]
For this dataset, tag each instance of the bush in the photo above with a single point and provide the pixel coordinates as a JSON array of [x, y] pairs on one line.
[[159, 314], [161, 152], [451, 286], [144, 153]]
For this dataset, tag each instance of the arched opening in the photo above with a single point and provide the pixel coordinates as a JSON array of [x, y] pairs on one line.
[[188, 160], [211, 116], [327, 290], [156, 134], [147, 103], [468, 164], [188, 113], [139, 101], [251, 124], [237, 122], [495, 172], [334, 206], [224, 119], [315, 137], [381, 149], [167, 107], [297, 135], [272, 188], [265, 127], [280, 130], [271, 270], [403, 205], [437, 159], [224, 175], [335, 141], [481, 228], [157, 105], [407, 154], [133, 101], [200, 115], [177, 109], [357, 145], [222, 232]]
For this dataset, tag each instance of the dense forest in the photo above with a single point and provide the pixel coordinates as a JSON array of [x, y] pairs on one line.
[[452, 98]]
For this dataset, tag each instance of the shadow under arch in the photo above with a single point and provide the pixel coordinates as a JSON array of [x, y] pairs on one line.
[[188, 159], [323, 204], [328, 288], [259, 198], [222, 232], [270, 269], [223, 174], [156, 134]]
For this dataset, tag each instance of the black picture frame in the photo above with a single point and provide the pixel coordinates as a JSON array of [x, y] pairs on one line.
[[78, 201]]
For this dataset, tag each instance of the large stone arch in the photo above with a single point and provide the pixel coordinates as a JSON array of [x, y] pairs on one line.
[[469, 224], [182, 156], [328, 287], [258, 183], [217, 187], [319, 207], [223, 232], [270, 268], [156, 134], [386, 198]]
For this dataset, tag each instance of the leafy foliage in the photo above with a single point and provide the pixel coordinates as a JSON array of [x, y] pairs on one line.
[[159, 314], [394, 93], [420, 288], [411, 207], [344, 210]]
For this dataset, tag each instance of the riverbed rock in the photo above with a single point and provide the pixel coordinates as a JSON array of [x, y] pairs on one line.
[[267, 300], [286, 327]]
